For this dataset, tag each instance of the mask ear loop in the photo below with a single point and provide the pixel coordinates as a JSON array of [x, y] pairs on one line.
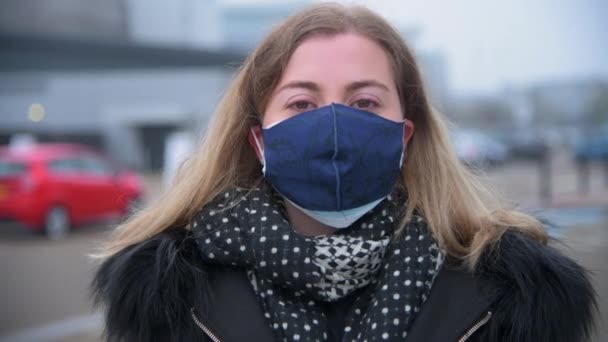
[[403, 146], [259, 146]]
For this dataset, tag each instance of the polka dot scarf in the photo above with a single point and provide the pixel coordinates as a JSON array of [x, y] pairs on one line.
[[293, 275]]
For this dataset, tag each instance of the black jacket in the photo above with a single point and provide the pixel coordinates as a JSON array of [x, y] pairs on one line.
[[159, 290]]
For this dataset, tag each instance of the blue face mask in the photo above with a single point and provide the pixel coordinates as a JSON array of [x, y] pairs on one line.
[[334, 163]]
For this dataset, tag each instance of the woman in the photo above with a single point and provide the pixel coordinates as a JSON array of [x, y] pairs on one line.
[[326, 204]]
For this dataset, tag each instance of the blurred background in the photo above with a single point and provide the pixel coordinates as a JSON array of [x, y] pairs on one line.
[[101, 100]]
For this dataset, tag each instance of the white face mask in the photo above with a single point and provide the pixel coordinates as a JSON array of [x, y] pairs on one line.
[[339, 219]]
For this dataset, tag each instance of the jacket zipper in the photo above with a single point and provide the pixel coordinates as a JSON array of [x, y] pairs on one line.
[[206, 330], [476, 327], [464, 337]]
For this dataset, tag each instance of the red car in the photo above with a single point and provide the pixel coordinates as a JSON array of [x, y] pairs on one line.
[[53, 187]]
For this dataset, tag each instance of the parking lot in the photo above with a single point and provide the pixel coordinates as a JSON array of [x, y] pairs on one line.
[[44, 287]]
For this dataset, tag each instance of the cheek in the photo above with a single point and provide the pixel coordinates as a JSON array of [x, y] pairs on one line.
[[395, 115], [272, 115], [267, 119], [393, 110]]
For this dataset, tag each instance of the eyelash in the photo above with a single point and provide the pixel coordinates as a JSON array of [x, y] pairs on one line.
[[374, 104], [293, 105]]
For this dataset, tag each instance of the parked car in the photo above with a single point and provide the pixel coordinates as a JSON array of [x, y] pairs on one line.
[[525, 144], [52, 188], [477, 149], [592, 145]]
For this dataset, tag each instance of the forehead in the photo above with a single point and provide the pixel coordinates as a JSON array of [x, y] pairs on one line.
[[335, 58]]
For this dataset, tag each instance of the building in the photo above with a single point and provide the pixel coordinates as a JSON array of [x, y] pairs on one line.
[[244, 26], [113, 74], [575, 102], [123, 75]]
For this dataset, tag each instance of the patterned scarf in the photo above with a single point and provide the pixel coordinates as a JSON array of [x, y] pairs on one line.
[[292, 275]]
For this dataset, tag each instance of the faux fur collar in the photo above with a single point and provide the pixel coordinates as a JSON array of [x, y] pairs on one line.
[[541, 295], [538, 294]]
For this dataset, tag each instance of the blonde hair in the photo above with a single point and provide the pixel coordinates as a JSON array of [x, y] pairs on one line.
[[464, 217]]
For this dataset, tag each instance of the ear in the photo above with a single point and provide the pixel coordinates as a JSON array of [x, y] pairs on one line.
[[408, 131], [256, 141]]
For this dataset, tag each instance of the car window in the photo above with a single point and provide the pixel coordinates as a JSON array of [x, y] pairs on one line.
[[66, 165], [96, 166], [11, 168], [88, 164]]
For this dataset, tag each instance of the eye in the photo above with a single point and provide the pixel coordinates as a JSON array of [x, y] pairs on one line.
[[365, 104], [301, 105]]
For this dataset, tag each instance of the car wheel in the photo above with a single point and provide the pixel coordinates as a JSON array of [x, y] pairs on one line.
[[57, 223]]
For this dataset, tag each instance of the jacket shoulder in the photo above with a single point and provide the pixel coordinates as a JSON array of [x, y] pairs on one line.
[[146, 290], [540, 294]]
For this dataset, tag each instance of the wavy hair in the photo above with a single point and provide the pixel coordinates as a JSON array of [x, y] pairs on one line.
[[464, 216]]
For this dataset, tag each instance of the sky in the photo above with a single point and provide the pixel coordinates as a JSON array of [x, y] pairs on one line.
[[491, 45]]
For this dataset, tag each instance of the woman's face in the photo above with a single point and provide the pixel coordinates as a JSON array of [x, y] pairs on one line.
[[346, 68]]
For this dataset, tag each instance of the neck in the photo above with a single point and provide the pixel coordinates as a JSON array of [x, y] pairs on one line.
[[304, 224]]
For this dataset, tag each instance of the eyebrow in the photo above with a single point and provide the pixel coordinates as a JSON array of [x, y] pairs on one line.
[[314, 87], [366, 83]]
